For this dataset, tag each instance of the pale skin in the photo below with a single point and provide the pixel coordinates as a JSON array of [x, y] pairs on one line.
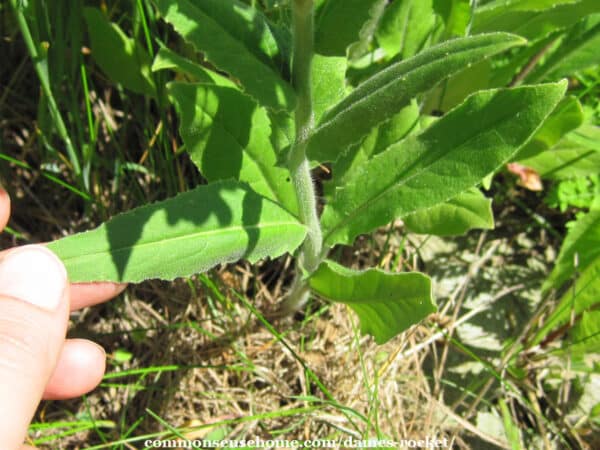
[[36, 360]]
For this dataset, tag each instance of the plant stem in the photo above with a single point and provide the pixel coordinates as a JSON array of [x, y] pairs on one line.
[[298, 163], [310, 256]]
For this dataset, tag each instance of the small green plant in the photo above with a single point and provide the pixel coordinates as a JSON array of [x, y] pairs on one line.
[[271, 101], [577, 192]]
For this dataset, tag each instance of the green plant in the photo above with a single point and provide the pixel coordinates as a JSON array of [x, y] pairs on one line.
[[577, 192], [283, 108]]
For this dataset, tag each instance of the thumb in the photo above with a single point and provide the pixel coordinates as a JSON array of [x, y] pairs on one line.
[[34, 309]]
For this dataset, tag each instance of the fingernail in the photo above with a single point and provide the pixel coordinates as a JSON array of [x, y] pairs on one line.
[[35, 275]]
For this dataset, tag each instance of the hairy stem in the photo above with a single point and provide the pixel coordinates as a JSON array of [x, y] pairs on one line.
[[299, 165]]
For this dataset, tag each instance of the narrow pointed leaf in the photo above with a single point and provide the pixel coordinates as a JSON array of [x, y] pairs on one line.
[[227, 135], [385, 94], [230, 43], [533, 19], [386, 303], [450, 157], [467, 211], [181, 236]]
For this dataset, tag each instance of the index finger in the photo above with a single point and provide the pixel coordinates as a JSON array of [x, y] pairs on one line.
[[89, 294], [4, 208]]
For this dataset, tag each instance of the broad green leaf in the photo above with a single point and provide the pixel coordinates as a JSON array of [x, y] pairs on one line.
[[398, 127], [576, 155], [223, 30], [338, 24], [456, 15], [123, 59], [567, 116], [573, 156], [586, 334], [190, 233], [366, 37], [167, 59], [532, 19], [565, 160], [506, 69], [228, 136], [587, 136], [585, 337], [378, 140], [405, 27], [386, 303], [577, 51], [579, 249], [450, 157], [385, 94], [455, 89], [467, 211], [245, 24], [584, 296], [328, 82], [283, 134], [493, 7]]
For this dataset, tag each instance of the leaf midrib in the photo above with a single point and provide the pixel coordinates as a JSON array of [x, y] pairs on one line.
[[261, 169], [210, 54], [225, 32], [187, 236]]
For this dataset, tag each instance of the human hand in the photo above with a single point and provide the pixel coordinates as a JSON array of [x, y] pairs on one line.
[[36, 361]]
